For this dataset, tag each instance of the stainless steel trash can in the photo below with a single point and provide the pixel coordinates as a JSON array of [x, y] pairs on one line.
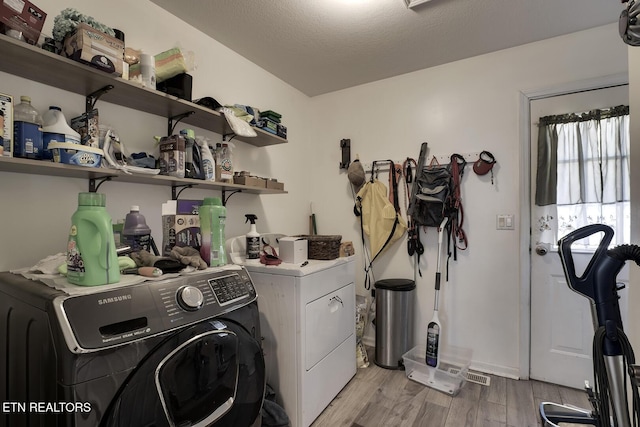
[[394, 321]]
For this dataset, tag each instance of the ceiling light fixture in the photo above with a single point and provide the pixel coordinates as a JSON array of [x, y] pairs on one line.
[[413, 3], [628, 24]]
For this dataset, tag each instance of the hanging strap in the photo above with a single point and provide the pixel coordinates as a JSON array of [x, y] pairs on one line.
[[408, 174], [395, 174], [414, 246], [458, 164], [455, 232]]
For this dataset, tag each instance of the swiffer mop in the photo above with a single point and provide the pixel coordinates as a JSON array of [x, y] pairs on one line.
[[434, 328], [437, 373]]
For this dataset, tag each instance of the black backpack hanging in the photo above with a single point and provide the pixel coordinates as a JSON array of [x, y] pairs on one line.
[[430, 193]]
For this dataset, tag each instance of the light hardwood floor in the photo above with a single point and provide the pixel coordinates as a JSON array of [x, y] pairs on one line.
[[383, 397]]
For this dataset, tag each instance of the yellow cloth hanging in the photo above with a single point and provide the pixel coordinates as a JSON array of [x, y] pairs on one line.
[[379, 217]]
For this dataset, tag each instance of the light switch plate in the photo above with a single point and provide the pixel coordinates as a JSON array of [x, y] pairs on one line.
[[505, 222]]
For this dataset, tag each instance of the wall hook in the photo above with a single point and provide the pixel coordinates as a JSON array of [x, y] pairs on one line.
[[345, 145]]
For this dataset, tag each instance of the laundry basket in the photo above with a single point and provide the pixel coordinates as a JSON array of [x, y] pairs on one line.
[[323, 247]]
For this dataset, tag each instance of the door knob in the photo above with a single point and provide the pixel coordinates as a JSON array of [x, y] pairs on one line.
[[542, 248]]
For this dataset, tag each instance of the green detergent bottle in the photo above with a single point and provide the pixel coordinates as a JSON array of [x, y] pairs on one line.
[[91, 249], [212, 220]]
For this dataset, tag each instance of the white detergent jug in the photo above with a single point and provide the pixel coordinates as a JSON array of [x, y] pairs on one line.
[[56, 129]]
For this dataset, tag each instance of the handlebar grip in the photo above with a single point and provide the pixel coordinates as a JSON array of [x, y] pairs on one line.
[[565, 245]]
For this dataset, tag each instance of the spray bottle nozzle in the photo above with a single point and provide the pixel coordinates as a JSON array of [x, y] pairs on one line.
[[251, 217]]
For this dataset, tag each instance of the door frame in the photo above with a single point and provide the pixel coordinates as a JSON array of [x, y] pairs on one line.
[[525, 195]]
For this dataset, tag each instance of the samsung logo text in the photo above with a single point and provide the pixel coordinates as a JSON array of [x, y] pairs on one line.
[[118, 298]]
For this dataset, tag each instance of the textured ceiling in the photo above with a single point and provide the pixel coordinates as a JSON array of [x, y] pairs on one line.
[[320, 46]]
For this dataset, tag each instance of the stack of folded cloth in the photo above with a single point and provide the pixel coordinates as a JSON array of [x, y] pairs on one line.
[[270, 122]]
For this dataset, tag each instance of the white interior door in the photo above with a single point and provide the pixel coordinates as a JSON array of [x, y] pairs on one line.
[[561, 321]]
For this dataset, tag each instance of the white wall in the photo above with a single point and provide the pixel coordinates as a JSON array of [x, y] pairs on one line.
[[36, 210], [634, 129], [466, 106]]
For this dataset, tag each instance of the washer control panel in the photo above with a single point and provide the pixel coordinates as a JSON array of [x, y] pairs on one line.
[[113, 317], [230, 289], [206, 295]]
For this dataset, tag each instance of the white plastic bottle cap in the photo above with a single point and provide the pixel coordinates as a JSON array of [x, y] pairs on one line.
[[135, 208]]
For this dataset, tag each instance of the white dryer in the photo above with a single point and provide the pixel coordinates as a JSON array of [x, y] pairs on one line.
[[307, 318]]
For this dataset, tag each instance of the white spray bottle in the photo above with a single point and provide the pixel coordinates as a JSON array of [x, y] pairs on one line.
[[253, 238]]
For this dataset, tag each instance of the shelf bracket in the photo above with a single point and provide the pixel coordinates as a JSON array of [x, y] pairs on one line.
[[225, 198], [93, 187], [92, 98], [175, 194], [174, 120]]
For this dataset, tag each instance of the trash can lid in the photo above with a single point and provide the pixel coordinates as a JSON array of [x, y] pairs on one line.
[[396, 284]]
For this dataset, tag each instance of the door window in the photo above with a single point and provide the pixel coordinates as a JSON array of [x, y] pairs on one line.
[[583, 174]]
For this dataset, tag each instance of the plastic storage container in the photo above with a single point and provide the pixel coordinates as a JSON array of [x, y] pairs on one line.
[[212, 221], [91, 248], [75, 154], [148, 70], [448, 377], [55, 129], [27, 130], [394, 321], [135, 232]]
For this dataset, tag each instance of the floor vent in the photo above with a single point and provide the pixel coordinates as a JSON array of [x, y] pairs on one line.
[[473, 377], [477, 378]]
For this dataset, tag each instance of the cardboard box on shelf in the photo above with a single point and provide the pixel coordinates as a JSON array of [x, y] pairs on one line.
[[93, 47], [273, 184], [22, 16], [88, 126], [180, 224], [223, 175], [250, 181]]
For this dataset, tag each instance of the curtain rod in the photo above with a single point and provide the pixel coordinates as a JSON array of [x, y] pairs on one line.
[[605, 113]]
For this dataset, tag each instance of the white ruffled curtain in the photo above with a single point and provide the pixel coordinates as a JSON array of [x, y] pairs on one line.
[[583, 175]]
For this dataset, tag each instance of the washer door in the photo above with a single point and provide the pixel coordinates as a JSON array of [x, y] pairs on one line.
[[210, 374]]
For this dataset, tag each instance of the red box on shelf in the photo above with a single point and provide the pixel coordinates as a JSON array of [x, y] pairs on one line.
[[24, 16]]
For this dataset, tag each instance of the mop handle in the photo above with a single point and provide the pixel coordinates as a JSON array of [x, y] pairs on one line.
[[440, 233]]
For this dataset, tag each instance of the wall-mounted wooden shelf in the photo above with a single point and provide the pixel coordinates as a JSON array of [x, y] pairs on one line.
[[40, 167], [30, 62]]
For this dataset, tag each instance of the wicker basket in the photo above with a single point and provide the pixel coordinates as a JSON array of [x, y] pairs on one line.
[[323, 247]]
